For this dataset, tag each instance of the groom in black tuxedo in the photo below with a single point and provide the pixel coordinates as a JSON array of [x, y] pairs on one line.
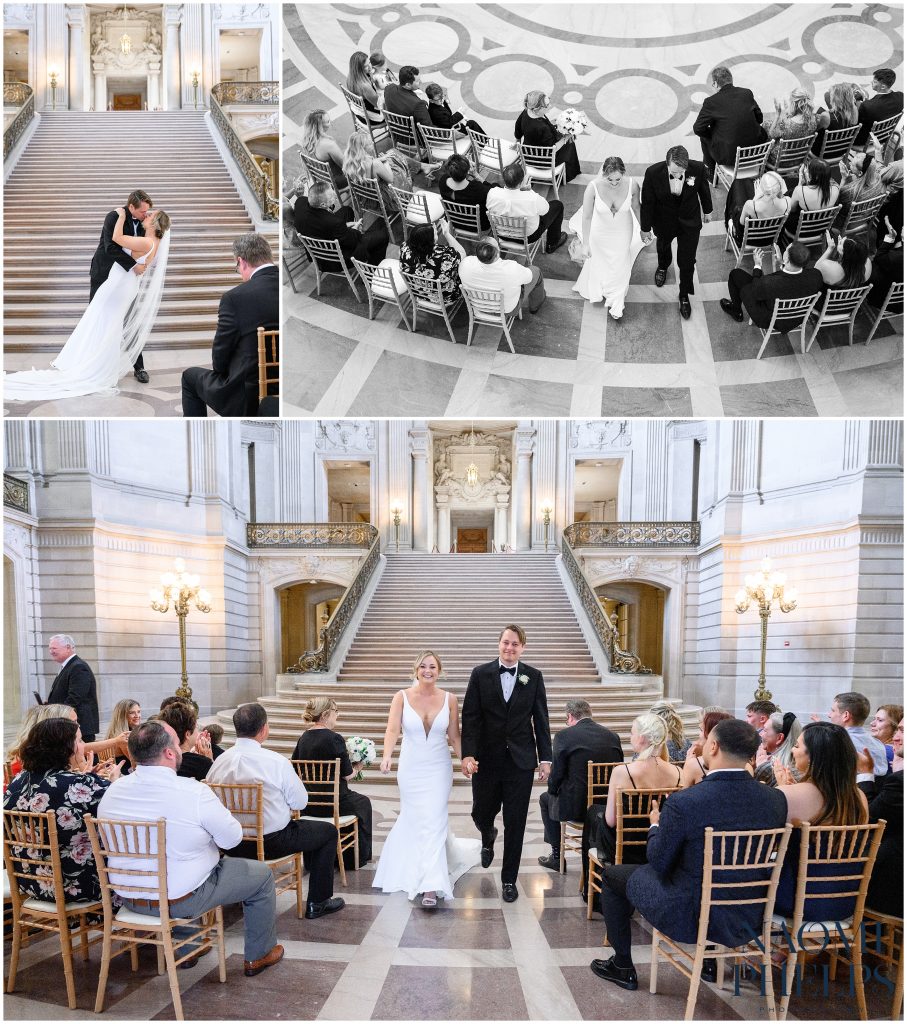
[[505, 736], [676, 199], [108, 252]]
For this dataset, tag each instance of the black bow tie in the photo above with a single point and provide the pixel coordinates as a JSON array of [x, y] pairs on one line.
[[504, 670]]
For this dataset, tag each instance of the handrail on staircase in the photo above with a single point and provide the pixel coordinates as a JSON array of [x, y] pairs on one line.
[[619, 659], [15, 493], [246, 92], [310, 535], [319, 660], [679, 534], [23, 96]]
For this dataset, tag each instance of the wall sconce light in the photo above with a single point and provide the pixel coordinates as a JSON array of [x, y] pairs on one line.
[[396, 512]]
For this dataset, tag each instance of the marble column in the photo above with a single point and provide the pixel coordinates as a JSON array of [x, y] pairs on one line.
[[100, 89], [154, 86], [172, 56], [443, 525], [500, 522], [76, 17], [421, 450], [522, 491]]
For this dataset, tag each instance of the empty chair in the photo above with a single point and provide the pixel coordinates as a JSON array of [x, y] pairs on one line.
[[890, 950], [369, 198], [540, 166], [377, 129], [384, 284], [812, 225], [486, 306], [442, 143], [750, 163], [892, 306], [324, 254], [512, 236], [839, 306], [492, 154], [837, 143], [861, 214], [465, 219], [790, 154], [428, 296], [787, 316], [758, 233]]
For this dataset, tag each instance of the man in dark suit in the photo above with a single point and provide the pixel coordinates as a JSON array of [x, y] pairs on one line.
[[886, 800], [74, 685], [729, 118], [505, 735], [757, 291], [676, 199], [667, 890], [402, 99], [108, 252], [230, 387], [884, 104], [317, 217], [574, 747]]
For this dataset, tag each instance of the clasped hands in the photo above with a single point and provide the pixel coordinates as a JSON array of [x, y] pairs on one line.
[[470, 766]]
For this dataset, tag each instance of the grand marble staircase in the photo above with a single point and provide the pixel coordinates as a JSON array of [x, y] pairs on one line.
[[456, 605], [74, 170]]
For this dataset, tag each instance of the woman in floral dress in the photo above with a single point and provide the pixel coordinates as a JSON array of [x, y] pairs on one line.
[[432, 253], [52, 780]]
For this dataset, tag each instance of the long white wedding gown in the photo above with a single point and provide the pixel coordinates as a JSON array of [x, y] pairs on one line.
[[93, 358], [420, 853], [615, 243]]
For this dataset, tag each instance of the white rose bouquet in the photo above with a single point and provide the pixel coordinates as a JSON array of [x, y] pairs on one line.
[[362, 752], [572, 122]]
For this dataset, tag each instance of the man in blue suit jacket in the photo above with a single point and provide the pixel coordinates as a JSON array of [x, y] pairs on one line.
[[667, 889]]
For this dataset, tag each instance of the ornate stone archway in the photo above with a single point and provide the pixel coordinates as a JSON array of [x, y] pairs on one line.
[[126, 44]]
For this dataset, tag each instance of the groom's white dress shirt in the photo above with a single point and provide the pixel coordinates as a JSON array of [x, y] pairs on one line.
[[508, 678]]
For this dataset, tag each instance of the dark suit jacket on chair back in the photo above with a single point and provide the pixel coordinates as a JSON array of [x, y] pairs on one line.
[[75, 685], [574, 748], [661, 210], [492, 728], [667, 890]]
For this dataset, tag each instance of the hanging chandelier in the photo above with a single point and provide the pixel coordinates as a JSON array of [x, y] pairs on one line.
[[125, 38]]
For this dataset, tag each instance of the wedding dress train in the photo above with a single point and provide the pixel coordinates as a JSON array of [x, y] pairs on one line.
[[420, 853]]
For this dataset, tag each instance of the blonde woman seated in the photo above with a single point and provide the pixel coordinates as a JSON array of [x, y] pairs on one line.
[[126, 716], [792, 120], [779, 734], [43, 712], [841, 113], [694, 769], [769, 199], [319, 144], [650, 770], [678, 744]]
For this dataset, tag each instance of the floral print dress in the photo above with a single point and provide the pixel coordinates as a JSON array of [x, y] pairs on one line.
[[442, 264], [70, 795]]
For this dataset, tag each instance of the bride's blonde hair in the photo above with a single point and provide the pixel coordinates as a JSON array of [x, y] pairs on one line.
[[421, 657], [161, 223]]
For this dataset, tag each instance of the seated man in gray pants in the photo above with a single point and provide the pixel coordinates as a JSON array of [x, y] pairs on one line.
[[487, 270], [198, 826]]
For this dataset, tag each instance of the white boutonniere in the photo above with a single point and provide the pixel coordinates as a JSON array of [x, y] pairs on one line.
[[691, 182], [524, 679]]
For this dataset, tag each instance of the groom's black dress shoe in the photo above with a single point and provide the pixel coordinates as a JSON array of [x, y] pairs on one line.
[[488, 848], [141, 376], [685, 310], [660, 277], [623, 976], [508, 892]]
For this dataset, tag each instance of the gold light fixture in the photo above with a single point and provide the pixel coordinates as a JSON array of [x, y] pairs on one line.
[[396, 512], [53, 89], [472, 474], [125, 39], [196, 75], [765, 588], [546, 520], [179, 588]]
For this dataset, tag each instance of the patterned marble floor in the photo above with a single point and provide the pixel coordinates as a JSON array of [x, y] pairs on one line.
[[383, 958], [571, 359]]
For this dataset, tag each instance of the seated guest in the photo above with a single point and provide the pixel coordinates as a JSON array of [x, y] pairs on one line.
[[887, 267], [851, 710], [319, 145], [359, 81], [381, 73], [321, 742], [39, 713], [694, 769], [886, 103], [860, 179], [764, 198], [827, 795], [198, 827], [215, 735], [521, 285], [534, 129], [817, 190], [432, 253], [792, 120], [677, 743], [779, 734], [759, 711], [729, 118], [318, 216], [845, 263], [886, 801], [195, 746], [230, 387], [892, 177], [757, 292], [458, 184], [667, 889], [282, 792], [441, 114], [841, 113], [391, 168], [402, 99], [52, 779], [650, 769], [513, 200], [884, 724], [126, 715], [574, 747]]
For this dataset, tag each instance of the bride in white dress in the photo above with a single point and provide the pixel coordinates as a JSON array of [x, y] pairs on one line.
[[113, 329], [607, 225], [420, 854]]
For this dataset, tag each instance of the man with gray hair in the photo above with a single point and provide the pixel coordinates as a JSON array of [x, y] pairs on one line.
[[230, 387], [74, 684], [574, 747]]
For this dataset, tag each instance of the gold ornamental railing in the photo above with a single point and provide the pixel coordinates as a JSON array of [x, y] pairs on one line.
[[619, 659], [231, 93], [311, 535], [633, 535], [15, 493], [17, 94], [319, 660]]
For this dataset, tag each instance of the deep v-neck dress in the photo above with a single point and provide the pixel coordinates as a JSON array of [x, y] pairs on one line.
[[420, 854]]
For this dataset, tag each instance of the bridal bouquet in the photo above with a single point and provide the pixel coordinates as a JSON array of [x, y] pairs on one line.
[[361, 751], [572, 122]]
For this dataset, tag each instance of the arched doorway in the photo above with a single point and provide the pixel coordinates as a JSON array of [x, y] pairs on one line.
[[640, 618], [304, 611]]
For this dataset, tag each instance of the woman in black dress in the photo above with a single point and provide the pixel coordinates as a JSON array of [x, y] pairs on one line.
[[320, 743], [534, 129]]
